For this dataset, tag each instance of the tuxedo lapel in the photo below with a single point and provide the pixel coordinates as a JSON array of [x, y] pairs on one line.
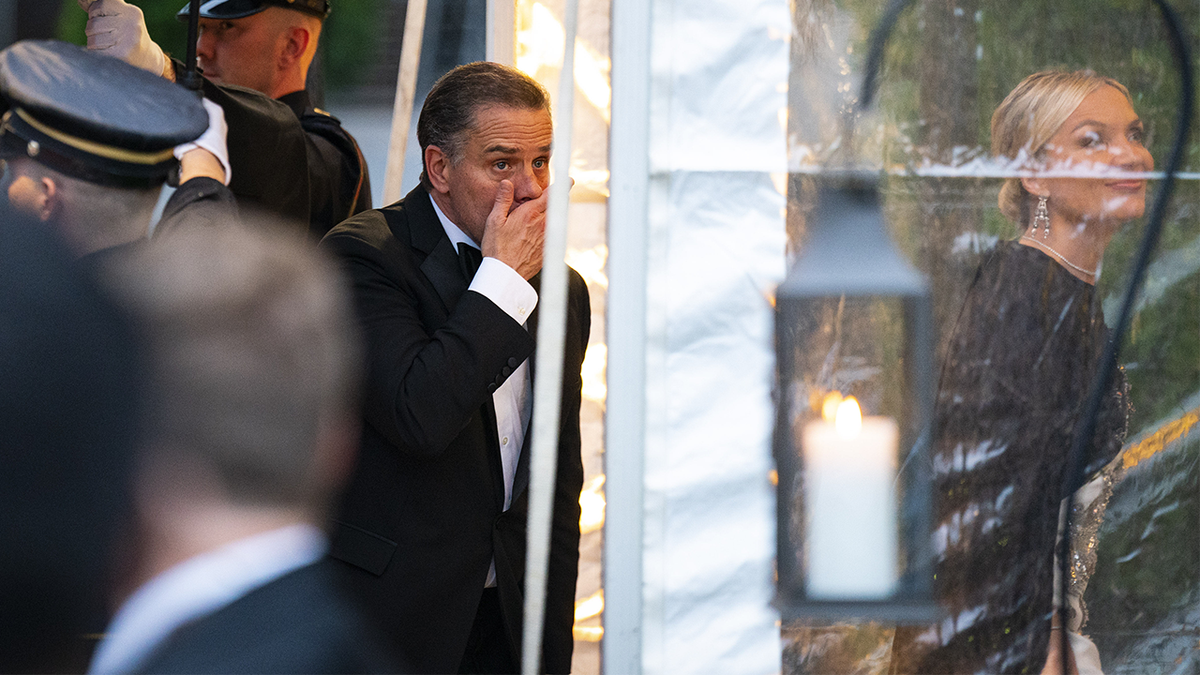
[[445, 273], [521, 476], [495, 462], [427, 235], [531, 325]]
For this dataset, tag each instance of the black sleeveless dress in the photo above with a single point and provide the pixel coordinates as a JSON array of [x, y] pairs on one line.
[[1014, 382]]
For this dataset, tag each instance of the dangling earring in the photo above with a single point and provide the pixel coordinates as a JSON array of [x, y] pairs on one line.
[[1041, 217]]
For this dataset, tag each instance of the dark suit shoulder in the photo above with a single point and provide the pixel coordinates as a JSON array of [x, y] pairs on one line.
[[299, 623], [581, 302], [369, 227], [372, 246], [410, 220], [577, 287], [268, 150]]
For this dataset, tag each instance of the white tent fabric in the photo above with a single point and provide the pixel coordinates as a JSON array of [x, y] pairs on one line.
[[716, 242]]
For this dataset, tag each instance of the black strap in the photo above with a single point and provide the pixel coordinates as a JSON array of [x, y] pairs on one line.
[[330, 128]]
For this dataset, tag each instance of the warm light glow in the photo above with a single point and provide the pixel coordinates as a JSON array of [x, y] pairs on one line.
[[541, 44], [780, 180], [829, 407], [592, 78], [848, 420], [589, 607], [595, 365], [591, 505], [587, 633], [590, 264], [595, 180]]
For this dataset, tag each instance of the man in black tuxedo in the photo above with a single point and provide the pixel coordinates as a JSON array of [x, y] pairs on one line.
[[250, 431], [433, 524]]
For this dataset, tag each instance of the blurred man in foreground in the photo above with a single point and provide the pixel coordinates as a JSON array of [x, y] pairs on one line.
[[267, 46], [70, 386], [250, 430]]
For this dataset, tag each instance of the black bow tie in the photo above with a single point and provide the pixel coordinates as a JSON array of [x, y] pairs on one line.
[[469, 258]]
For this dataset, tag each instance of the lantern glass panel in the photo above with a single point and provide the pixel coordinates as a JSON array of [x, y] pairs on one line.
[[849, 540]]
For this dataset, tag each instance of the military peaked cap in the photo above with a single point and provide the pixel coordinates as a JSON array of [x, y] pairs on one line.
[[93, 117], [236, 9]]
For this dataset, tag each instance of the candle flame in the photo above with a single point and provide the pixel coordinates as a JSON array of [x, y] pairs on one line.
[[829, 406], [848, 419]]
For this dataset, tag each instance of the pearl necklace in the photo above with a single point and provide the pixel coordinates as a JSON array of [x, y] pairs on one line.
[[1091, 273]]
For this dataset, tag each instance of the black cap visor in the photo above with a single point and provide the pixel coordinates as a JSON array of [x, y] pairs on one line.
[[91, 116], [236, 9], [22, 135]]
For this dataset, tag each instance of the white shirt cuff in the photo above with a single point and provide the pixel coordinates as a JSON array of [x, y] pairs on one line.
[[508, 290]]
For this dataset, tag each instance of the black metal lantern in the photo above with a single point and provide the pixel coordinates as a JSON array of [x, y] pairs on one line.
[[854, 345]]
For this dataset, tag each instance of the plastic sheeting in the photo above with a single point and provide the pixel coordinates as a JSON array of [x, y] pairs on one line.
[[716, 233], [949, 65]]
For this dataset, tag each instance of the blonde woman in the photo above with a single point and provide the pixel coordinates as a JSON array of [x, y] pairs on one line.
[[1016, 374]]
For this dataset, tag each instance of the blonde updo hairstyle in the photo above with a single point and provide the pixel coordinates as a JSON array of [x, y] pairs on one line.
[[1029, 117]]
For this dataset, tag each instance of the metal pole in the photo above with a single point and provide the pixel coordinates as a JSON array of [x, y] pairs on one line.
[[551, 337], [191, 78], [624, 418], [402, 108]]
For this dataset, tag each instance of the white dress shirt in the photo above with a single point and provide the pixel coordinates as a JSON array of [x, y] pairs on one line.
[[510, 292], [199, 586]]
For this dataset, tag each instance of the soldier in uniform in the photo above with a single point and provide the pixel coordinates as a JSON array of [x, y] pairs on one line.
[[268, 46], [79, 161]]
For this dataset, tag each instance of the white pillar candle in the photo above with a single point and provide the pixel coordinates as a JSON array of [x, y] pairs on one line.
[[850, 502]]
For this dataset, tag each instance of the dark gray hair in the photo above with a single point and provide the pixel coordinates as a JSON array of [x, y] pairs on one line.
[[254, 353], [449, 109]]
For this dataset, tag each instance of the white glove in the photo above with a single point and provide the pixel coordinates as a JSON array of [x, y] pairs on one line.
[[213, 140], [117, 28]]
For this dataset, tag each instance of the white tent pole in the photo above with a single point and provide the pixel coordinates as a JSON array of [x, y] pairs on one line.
[[551, 337], [406, 89], [501, 31], [624, 416]]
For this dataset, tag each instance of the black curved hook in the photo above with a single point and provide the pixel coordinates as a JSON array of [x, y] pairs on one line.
[[1086, 428]]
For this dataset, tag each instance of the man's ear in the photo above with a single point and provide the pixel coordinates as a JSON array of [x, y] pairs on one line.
[[295, 43], [437, 167], [49, 198]]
